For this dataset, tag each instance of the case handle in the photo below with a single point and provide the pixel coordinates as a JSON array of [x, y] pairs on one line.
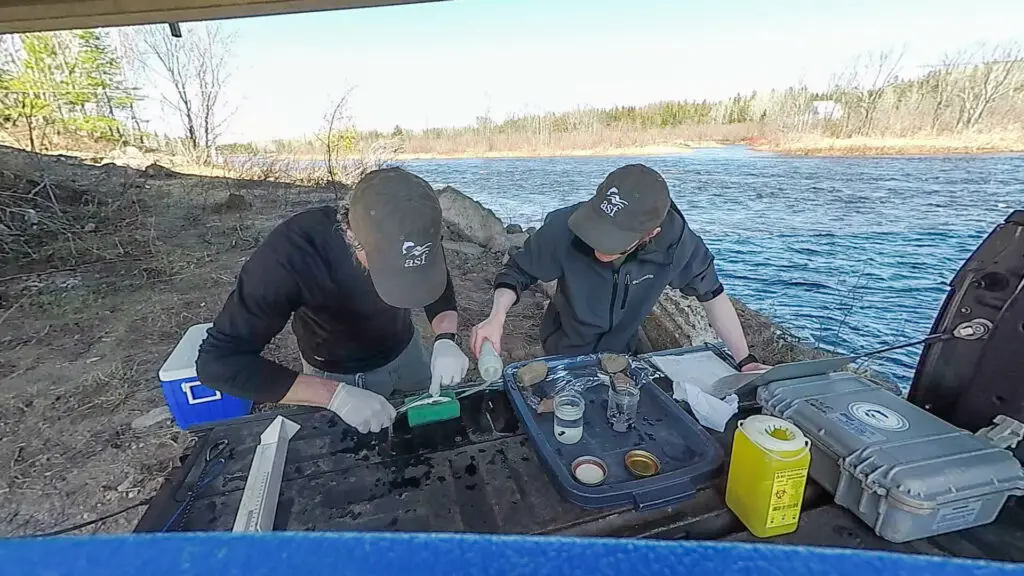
[[186, 387]]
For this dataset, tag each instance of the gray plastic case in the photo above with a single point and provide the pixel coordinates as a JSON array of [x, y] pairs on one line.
[[900, 469]]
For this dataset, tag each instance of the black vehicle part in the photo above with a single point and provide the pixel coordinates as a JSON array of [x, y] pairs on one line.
[[979, 373]]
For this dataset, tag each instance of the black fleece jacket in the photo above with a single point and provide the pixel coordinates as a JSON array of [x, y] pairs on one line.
[[304, 271]]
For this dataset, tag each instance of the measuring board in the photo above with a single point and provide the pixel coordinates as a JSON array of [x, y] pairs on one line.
[[259, 500]]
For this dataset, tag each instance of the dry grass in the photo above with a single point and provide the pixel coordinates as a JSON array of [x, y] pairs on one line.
[[88, 314], [70, 453], [771, 343], [968, 143], [344, 170], [55, 225], [598, 140], [652, 150]]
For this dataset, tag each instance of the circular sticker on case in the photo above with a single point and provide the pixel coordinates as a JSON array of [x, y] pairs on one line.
[[879, 416]]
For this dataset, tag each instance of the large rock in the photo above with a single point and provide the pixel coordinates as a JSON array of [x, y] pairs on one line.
[[128, 156], [517, 240], [464, 247], [507, 243], [158, 171], [236, 202], [677, 321], [151, 418], [472, 219]]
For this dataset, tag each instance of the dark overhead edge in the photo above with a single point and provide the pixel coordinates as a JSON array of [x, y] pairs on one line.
[[34, 16]]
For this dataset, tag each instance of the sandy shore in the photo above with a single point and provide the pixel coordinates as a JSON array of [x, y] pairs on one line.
[[911, 146], [651, 150]]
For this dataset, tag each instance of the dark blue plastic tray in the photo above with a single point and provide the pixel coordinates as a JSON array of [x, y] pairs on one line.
[[689, 457]]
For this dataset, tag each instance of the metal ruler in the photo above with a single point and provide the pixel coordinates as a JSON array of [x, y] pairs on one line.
[[259, 500]]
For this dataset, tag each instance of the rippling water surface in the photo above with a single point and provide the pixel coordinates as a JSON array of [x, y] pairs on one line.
[[848, 253]]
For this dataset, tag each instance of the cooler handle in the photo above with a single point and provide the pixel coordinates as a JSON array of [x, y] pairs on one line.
[[186, 387], [660, 497]]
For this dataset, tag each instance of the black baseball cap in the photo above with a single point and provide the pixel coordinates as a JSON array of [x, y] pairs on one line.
[[396, 217], [632, 201]]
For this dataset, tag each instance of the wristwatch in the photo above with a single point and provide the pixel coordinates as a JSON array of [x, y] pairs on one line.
[[448, 336], [746, 360]]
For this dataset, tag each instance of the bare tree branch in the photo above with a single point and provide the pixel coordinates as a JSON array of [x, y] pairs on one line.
[[196, 67], [336, 116], [943, 83], [1001, 71], [884, 66]]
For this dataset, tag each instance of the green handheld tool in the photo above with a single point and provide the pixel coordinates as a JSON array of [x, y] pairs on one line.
[[427, 409]]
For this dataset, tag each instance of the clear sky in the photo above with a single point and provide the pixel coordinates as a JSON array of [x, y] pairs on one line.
[[445, 63]]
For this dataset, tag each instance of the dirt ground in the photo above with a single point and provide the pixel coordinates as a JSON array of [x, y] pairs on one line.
[[135, 258], [101, 271]]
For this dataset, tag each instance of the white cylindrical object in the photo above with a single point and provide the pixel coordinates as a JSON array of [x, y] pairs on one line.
[[489, 363]]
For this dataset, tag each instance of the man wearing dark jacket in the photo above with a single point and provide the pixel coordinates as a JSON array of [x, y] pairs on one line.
[[347, 278], [612, 257]]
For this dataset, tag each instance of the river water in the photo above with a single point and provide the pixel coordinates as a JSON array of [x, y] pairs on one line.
[[850, 254]]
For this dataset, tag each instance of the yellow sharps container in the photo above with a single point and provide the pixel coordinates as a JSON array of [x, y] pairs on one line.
[[767, 474]]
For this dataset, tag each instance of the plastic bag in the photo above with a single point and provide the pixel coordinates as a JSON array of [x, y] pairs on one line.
[[710, 411], [572, 375]]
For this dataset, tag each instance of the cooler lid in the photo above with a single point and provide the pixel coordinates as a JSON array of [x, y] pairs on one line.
[[181, 364]]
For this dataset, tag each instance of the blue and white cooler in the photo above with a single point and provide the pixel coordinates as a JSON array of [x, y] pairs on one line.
[[190, 402]]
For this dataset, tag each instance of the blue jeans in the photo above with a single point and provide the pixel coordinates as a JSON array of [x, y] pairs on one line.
[[410, 372]]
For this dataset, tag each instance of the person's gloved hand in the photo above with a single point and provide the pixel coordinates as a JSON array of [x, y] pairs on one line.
[[366, 411], [448, 365]]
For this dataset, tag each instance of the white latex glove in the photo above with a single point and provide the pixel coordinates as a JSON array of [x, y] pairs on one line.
[[366, 411], [448, 366]]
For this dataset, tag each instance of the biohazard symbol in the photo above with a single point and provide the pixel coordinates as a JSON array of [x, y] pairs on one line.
[[780, 494]]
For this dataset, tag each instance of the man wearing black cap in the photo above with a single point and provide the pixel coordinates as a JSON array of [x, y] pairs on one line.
[[613, 256], [347, 278]]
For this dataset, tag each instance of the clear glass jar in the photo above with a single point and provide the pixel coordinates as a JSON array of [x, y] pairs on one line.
[[569, 408], [622, 405]]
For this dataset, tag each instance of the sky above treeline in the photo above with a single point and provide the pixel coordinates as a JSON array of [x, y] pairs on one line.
[[446, 63]]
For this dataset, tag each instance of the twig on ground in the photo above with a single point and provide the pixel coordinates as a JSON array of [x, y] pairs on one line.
[[19, 303], [53, 199]]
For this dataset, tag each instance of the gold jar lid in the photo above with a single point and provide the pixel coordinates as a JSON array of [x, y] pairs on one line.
[[642, 463]]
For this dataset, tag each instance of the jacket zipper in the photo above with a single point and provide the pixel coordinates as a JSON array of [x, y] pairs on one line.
[[625, 293], [611, 305]]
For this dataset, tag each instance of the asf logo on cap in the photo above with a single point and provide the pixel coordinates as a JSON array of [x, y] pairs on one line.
[[613, 202], [415, 255]]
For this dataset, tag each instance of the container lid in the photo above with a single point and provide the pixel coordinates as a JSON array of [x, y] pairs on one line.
[[181, 364], [971, 468], [589, 470], [773, 434]]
